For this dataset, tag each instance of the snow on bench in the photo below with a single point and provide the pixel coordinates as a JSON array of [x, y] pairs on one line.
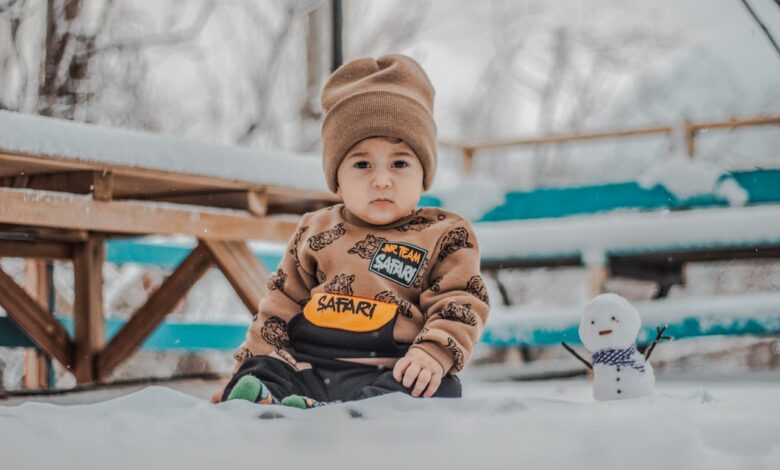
[[595, 236], [58, 138], [755, 314]]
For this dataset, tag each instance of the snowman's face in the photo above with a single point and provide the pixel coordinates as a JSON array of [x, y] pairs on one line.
[[609, 321]]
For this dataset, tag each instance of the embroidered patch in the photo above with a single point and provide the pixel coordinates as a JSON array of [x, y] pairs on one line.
[[399, 262], [346, 312]]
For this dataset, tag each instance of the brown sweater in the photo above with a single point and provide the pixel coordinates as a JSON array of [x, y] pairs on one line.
[[351, 291]]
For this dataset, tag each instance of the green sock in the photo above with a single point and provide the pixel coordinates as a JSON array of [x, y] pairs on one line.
[[252, 389], [298, 401]]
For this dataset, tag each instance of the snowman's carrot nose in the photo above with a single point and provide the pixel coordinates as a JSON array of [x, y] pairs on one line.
[[605, 332]]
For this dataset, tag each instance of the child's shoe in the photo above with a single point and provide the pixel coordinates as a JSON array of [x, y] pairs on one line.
[[298, 401], [252, 389]]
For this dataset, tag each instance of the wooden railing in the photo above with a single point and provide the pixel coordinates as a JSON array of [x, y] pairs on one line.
[[689, 130]]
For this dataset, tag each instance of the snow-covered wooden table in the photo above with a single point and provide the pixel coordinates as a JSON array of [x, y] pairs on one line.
[[66, 187]]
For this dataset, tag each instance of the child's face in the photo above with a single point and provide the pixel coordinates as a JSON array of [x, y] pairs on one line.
[[380, 180]]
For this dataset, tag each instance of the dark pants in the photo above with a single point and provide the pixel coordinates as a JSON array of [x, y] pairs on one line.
[[330, 384]]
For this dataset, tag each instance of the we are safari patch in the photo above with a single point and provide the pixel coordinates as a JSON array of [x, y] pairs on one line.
[[397, 261], [349, 313]]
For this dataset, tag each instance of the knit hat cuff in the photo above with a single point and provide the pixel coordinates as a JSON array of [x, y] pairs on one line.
[[373, 114]]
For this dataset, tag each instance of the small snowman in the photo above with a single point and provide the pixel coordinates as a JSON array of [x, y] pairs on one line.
[[608, 328]]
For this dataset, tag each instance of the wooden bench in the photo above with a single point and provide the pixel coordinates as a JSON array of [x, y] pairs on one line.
[[66, 188]]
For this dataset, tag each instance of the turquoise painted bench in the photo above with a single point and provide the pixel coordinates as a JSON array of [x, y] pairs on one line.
[[762, 186]]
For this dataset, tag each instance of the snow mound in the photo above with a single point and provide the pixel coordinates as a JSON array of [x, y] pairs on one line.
[[687, 178], [472, 197], [538, 425]]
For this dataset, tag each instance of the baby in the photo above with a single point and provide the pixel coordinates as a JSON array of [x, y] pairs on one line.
[[373, 295]]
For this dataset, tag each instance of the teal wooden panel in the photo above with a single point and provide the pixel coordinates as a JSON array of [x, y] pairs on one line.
[[191, 337], [11, 336], [687, 327], [169, 336], [167, 256], [762, 186]]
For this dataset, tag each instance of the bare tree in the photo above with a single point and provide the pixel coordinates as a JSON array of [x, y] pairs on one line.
[[397, 27], [80, 42]]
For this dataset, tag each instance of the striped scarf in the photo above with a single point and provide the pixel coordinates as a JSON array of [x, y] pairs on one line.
[[618, 357]]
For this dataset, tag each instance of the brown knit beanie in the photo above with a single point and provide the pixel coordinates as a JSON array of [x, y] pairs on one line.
[[390, 96]]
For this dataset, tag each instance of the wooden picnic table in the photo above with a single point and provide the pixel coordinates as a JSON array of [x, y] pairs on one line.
[[67, 187]]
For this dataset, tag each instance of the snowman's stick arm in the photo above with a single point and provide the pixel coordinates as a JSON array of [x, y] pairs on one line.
[[568, 348], [658, 337]]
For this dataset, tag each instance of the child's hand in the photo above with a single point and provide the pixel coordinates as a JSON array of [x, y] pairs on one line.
[[418, 366]]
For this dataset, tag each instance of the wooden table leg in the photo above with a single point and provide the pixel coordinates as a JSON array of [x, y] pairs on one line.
[[244, 272], [35, 321], [89, 322], [38, 284], [152, 313]]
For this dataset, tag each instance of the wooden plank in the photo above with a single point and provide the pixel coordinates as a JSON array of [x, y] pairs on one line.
[[735, 123], [251, 201], [79, 181], [597, 276], [165, 178], [102, 185], [147, 184], [35, 249], [41, 234], [565, 138], [154, 181], [88, 306], [257, 203], [49, 209], [562, 138], [38, 285], [32, 318], [149, 316], [244, 272]]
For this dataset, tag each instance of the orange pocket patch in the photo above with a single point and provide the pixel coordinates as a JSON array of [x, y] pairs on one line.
[[349, 313]]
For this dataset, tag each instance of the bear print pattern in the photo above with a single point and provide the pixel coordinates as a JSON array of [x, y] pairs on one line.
[[456, 352], [458, 312], [323, 239], [276, 281], [340, 285], [416, 224], [296, 241], [242, 354], [421, 336], [455, 240], [421, 274], [366, 247], [274, 331], [404, 306], [436, 284], [476, 287]]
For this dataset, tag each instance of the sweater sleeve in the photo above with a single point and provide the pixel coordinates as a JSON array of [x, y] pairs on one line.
[[288, 292], [455, 300]]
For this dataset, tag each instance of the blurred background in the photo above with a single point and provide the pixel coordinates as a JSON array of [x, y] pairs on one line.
[[249, 73]]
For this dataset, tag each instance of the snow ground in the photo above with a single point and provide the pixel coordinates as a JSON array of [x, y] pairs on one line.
[[552, 424]]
